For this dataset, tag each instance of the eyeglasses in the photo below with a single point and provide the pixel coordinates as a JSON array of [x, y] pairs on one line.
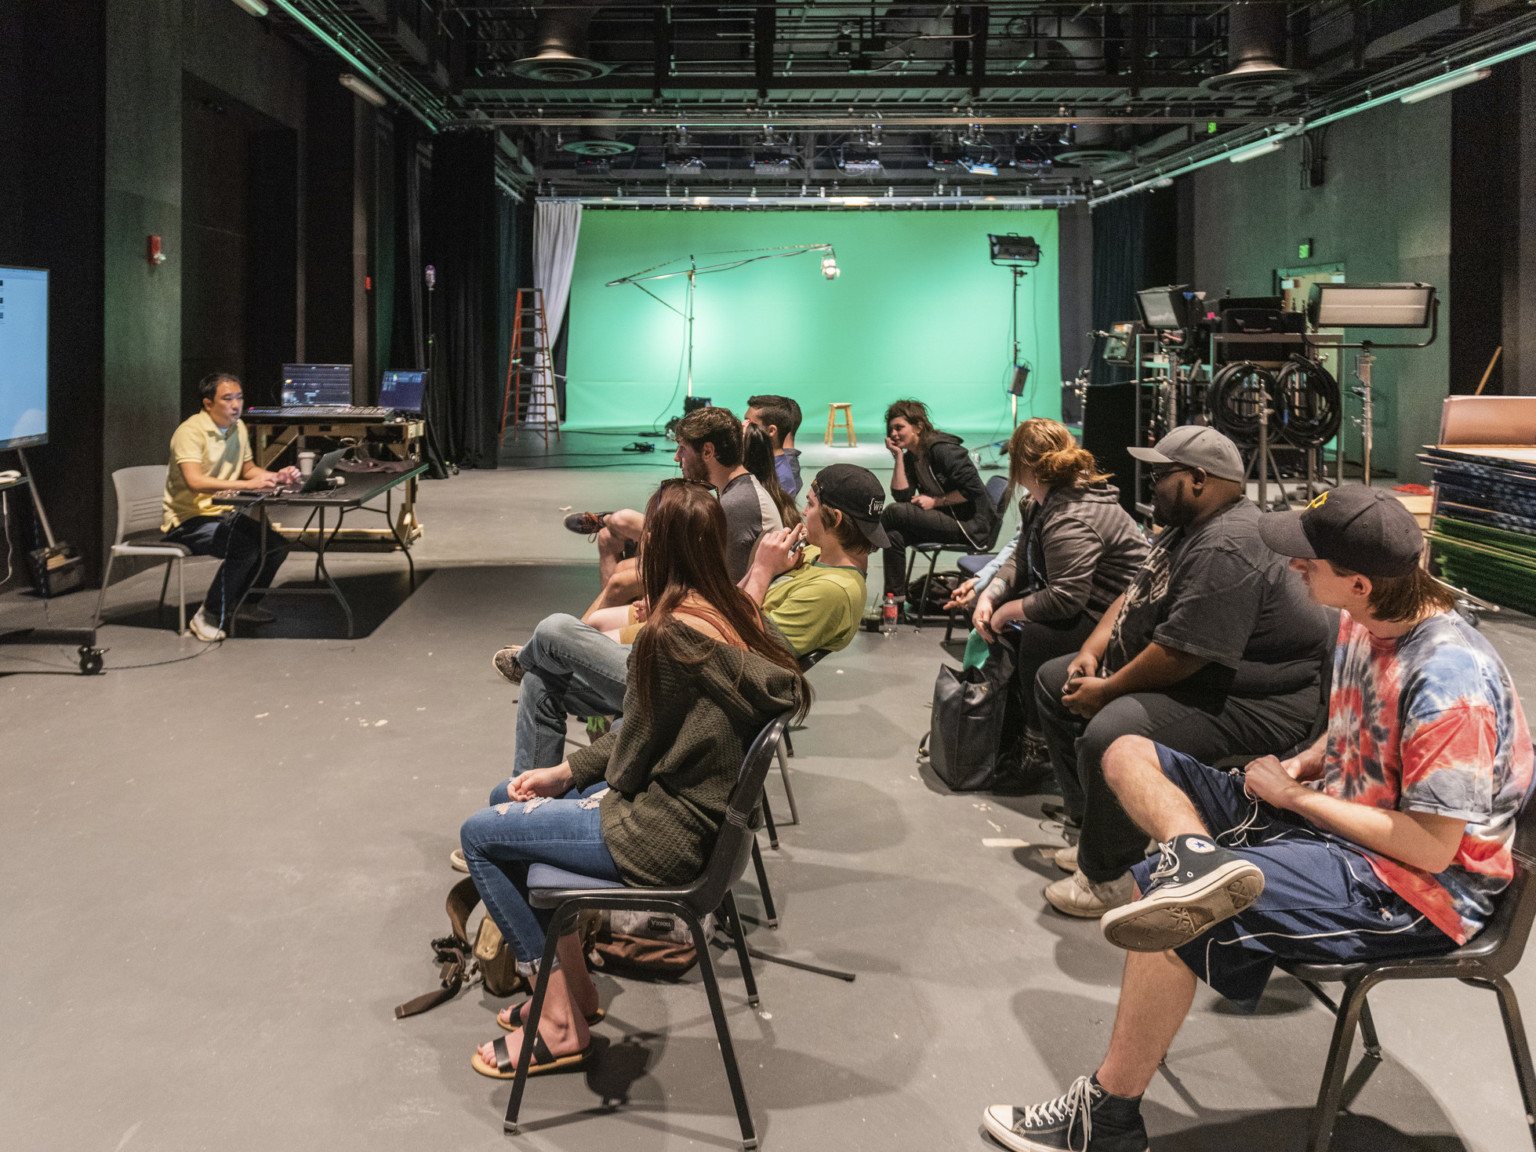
[[1161, 474]]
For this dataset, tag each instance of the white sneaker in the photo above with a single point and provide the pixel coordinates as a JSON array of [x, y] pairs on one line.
[[1079, 896], [202, 628], [1066, 858]]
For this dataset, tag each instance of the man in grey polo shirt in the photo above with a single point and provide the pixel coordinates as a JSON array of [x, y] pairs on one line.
[[1214, 649]]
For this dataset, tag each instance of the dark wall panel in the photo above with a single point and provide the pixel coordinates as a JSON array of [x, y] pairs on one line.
[[53, 219], [1384, 210]]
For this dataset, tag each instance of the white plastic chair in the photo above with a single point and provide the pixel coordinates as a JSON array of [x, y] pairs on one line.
[[140, 495]]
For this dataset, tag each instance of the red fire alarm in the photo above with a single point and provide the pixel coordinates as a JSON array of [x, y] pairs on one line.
[[155, 255], [367, 283]]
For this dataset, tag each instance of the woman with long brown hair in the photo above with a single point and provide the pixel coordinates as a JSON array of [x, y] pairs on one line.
[[1076, 551], [643, 804]]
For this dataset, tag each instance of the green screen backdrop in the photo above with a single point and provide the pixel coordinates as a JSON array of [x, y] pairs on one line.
[[918, 311]]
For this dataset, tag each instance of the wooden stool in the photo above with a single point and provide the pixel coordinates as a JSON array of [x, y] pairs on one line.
[[846, 424]]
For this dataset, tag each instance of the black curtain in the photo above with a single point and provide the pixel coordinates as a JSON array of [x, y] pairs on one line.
[[461, 240], [1134, 247]]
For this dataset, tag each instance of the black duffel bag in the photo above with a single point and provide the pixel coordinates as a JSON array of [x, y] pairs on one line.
[[976, 735]]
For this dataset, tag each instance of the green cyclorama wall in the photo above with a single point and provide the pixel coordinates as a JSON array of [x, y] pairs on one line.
[[918, 311]]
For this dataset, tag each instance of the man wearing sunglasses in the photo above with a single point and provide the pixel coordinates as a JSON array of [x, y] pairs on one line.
[[1215, 649]]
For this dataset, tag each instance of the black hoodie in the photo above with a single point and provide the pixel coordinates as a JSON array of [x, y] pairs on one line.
[[946, 467]]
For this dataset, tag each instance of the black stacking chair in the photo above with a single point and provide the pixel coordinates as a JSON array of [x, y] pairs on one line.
[[996, 487], [787, 749], [1484, 962], [568, 894]]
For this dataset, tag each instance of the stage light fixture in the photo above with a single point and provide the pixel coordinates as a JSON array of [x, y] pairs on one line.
[[681, 157], [1449, 84], [829, 267], [362, 88], [1371, 305], [1263, 148], [1012, 248], [1166, 308], [859, 160], [254, 7]]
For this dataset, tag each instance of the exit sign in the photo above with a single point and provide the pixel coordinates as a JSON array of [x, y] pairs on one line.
[[1304, 249]]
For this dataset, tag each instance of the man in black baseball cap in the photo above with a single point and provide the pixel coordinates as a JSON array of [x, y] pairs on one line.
[[856, 492], [1364, 530], [1391, 835], [809, 579]]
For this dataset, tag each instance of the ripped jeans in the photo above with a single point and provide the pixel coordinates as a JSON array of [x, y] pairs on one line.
[[501, 841]]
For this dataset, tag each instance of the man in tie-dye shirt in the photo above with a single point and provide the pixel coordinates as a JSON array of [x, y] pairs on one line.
[[1388, 837]]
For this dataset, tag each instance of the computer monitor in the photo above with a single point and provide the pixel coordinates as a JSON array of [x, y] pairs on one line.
[[306, 384], [23, 357], [403, 390]]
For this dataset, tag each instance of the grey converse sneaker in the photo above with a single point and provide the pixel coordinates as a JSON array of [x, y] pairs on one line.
[[1196, 883], [1086, 1119]]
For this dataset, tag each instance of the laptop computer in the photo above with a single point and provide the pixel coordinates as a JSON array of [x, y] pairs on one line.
[[315, 482]]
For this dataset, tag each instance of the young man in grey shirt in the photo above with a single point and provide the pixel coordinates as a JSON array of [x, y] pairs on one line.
[[709, 450]]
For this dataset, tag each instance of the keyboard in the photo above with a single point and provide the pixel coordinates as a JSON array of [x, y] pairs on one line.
[[322, 412]]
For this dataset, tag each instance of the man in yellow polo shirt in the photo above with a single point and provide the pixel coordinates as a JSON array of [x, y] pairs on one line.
[[211, 452]]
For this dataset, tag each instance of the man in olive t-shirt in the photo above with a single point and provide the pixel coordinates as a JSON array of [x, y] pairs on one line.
[[211, 452]]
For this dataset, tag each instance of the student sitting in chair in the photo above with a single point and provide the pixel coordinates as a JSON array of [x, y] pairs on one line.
[[938, 495], [642, 804], [779, 416], [812, 599], [709, 449], [1213, 649], [1388, 837], [1077, 549]]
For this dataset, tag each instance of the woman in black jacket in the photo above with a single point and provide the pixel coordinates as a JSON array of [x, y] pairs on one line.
[[1076, 552], [938, 494]]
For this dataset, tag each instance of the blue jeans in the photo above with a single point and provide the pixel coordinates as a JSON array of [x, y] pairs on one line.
[[501, 841], [235, 539], [569, 668]]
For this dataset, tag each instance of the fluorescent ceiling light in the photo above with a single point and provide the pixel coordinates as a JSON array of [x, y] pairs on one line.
[[254, 7], [1264, 148], [1449, 84], [856, 201], [361, 88]]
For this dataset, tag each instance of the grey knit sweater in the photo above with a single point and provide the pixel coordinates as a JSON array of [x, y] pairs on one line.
[[670, 771]]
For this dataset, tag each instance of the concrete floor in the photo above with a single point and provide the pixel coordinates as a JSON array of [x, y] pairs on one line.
[[222, 874]]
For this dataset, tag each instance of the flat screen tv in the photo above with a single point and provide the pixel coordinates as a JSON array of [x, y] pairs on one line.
[[23, 357]]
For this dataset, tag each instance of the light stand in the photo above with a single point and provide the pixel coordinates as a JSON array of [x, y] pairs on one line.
[[829, 269], [1415, 305], [1018, 254]]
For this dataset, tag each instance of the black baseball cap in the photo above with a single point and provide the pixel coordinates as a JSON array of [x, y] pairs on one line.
[[1363, 529], [856, 493]]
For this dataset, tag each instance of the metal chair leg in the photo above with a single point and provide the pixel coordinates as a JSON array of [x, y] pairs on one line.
[[723, 1035], [531, 1021], [165, 582], [789, 791], [101, 597], [181, 596], [1329, 1093], [773, 833], [1368, 1031], [762, 885], [739, 937], [789, 743], [1519, 1050]]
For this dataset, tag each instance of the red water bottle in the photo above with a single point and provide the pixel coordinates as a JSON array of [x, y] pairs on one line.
[[888, 614]]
